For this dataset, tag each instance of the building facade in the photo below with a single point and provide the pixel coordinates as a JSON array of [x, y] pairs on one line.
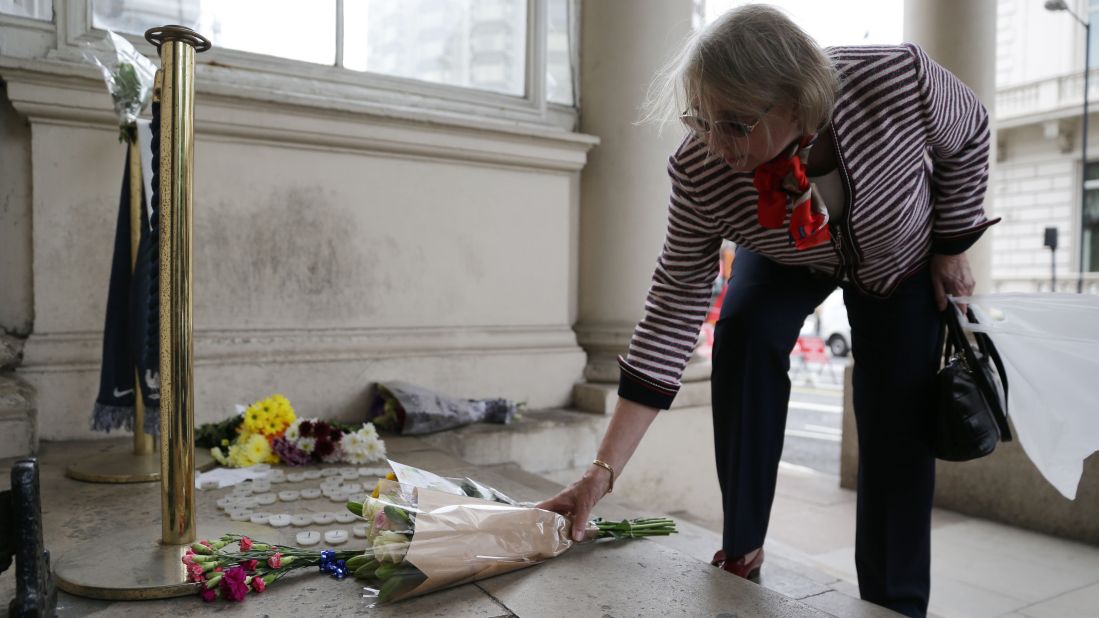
[[1039, 163]]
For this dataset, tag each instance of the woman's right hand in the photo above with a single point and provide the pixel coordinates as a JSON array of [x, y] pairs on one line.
[[578, 499]]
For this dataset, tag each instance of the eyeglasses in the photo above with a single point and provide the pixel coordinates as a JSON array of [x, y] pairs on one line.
[[704, 126]]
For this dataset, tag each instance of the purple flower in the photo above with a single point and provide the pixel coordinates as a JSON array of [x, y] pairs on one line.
[[289, 453], [232, 584], [209, 595]]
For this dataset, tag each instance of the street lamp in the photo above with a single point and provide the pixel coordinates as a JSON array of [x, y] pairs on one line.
[[1059, 5]]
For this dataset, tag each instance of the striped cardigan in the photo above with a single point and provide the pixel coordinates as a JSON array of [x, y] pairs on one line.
[[912, 143]]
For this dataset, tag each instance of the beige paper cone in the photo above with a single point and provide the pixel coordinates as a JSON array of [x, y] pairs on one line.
[[460, 539]]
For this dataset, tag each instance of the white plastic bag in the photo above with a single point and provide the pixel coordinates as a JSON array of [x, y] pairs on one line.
[[1050, 348]]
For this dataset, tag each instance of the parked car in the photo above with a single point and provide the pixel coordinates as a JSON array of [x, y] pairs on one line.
[[829, 322], [833, 325]]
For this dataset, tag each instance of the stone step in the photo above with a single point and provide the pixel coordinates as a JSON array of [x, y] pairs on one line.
[[18, 437], [780, 574]]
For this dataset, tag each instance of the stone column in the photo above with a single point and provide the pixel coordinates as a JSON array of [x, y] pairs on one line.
[[625, 187], [961, 36]]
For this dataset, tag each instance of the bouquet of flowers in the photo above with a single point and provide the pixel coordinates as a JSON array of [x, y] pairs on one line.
[[409, 409], [231, 575], [419, 540], [268, 431]]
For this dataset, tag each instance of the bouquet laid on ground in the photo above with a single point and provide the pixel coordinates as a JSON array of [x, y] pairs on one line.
[[418, 540], [408, 409], [268, 431], [231, 575]]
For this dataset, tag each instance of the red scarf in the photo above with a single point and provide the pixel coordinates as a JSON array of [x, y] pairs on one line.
[[783, 185]]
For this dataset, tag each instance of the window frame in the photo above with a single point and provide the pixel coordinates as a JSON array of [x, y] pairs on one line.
[[75, 29]]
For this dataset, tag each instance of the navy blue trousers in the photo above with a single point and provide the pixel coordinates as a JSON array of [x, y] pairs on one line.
[[895, 345]]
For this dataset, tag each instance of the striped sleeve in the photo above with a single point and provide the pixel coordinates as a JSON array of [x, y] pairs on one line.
[[958, 134], [676, 305]]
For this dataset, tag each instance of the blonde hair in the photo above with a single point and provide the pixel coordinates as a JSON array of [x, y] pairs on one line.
[[750, 58]]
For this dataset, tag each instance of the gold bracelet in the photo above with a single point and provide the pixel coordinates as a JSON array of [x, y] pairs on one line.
[[608, 468]]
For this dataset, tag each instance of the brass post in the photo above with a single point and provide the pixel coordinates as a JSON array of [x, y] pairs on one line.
[[137, 567], [177, 47]]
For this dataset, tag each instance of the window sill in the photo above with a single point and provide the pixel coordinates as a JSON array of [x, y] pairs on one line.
[[238, 104]]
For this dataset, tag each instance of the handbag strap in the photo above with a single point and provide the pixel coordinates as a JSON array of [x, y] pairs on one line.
[[956, 336], [984, 343]]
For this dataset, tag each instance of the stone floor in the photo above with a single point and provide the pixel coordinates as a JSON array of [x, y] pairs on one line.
[[979, 568], [640, 578]]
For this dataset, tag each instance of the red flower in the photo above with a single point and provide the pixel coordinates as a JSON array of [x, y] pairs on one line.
[[188, 558], [321, 429], [258, 584], [306, 428], [232, 584], [275, 561], [335, 435], [209, 594], [250, 565], [246, 543], [323, 448]]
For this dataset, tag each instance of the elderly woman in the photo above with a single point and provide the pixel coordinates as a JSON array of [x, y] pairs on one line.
[[858, 167]]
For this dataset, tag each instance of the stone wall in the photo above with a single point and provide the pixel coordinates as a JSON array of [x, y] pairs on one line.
[[335, 244]]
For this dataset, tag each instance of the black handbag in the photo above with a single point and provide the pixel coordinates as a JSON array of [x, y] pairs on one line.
[[971, 394]]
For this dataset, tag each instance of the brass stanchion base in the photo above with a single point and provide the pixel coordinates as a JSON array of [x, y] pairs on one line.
[[127, 467], [133, 566]]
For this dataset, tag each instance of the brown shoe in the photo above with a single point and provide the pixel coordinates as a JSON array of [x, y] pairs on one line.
[[745, 567]]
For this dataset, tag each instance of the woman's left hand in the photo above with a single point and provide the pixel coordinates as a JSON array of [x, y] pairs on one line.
[[950, 274]]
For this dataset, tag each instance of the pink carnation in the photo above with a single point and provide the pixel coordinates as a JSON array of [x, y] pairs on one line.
[[275, 561], [196, 572], [250, 565], [245, 543], [258, 584]]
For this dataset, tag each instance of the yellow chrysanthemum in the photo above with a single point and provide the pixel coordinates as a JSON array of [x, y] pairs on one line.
[[257, 448]]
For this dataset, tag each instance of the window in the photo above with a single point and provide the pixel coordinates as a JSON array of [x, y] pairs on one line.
[[470, 43], [270, 27], [1089, 219], [34, 9], [481, 45]]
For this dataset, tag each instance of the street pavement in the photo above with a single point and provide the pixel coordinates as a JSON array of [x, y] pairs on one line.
[[815, 417]]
